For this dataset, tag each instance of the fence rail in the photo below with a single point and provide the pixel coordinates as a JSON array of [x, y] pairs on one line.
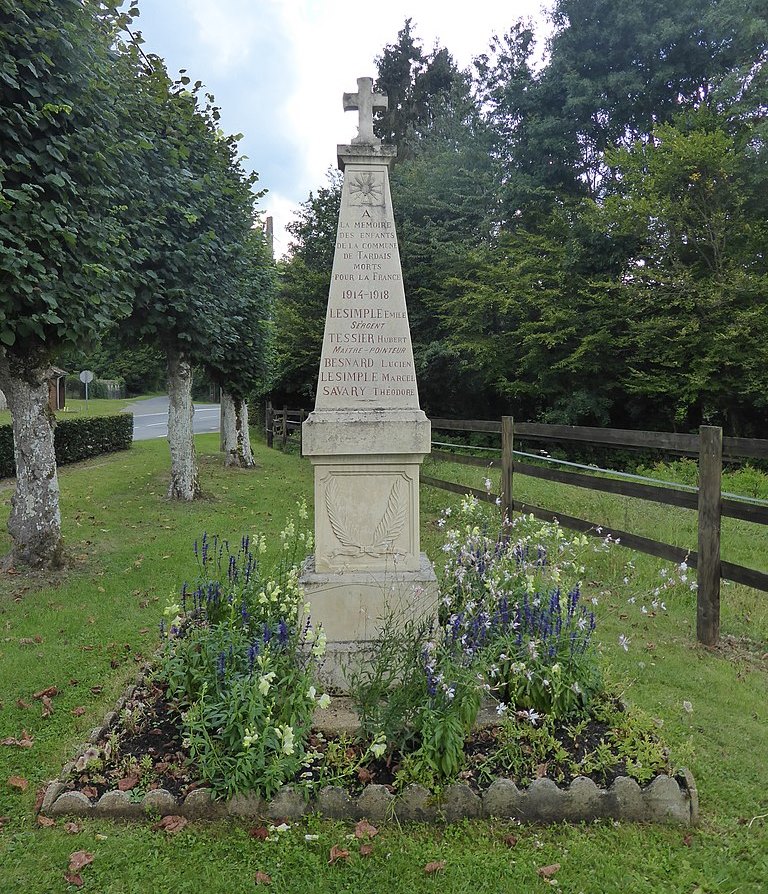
[[708, 445]]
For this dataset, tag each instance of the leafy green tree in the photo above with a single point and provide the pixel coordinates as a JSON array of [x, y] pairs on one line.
[[416, 84], [142, 367], [302, 297], [243, 369], [443, 197], [699, 274], [63, 253], [190, 231], [614, 72]]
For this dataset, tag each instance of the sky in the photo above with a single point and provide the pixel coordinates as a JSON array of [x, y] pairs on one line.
[[278, 69]]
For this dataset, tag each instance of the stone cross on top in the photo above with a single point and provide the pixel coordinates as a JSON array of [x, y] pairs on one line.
[[364, 102]]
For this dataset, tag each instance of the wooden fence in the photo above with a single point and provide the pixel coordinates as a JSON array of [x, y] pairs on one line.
[[278, 423], [710, 447]]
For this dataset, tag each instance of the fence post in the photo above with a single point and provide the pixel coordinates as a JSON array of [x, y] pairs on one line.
[[269, 422], [708, 566], [507, 443], [284, 434]]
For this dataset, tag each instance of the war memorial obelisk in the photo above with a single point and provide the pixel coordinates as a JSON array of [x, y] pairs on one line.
[[367, 435]]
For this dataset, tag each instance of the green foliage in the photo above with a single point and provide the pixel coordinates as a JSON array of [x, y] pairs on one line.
[[239, 664], [303, 295], [75, 439], [191, 218], [63, 253], [98, 389], [244, 368], [513, 608], [142, 367]]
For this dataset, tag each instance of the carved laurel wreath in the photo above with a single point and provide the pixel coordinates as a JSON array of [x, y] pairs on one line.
[[387, 530]]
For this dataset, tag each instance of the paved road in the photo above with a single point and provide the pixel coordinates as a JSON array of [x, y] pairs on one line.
[[150, 418]]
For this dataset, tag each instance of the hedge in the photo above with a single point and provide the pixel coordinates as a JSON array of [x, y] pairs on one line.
[[75, 439]]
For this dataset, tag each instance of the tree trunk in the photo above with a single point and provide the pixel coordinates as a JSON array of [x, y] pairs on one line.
[[185, 484], [35, 520], [237, 439]]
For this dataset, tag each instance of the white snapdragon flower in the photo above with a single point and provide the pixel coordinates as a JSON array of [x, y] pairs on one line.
[[379, 745], [265, 681], [318, 649], [286, 735]]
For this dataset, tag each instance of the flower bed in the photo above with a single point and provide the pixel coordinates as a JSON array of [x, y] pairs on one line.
[[500, 708]]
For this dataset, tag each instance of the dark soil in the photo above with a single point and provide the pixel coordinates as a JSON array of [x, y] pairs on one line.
[[143, 750]]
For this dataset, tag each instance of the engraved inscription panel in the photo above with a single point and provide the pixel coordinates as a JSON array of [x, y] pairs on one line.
[[367, 358]]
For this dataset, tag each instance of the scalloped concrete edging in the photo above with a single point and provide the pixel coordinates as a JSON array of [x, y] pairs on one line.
[[666, 799]]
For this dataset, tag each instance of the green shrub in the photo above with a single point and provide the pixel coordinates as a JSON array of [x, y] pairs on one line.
[[105, 389], [75, 439]]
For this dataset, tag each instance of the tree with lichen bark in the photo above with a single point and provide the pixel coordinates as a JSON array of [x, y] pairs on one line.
[[63, 255], [242, 370], [192, 221]]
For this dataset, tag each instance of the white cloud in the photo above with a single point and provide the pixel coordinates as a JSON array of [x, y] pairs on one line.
[[279, 68], [281, 209], [331, 47], [228, 29]]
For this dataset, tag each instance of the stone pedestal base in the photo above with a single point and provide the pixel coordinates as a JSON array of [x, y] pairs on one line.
[[351, 606]]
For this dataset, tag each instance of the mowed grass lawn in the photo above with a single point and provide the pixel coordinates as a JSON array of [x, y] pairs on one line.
[[85, 632]]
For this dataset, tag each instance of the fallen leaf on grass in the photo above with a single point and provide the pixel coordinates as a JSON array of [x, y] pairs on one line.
[[337, 853], [366, 850], [364, 775], [18, 782], [434, 866], [548, 871], [48, 692], [171, 824], [365, 830], [97, 690], [259, 832], [78, 859], [688, 840], [510, 840], [90, 791], [26, 741], [46, 821], [72, 828], [78, 711], [20, 703], [40, 797], [73, 878], [47, 706], [261, 878]]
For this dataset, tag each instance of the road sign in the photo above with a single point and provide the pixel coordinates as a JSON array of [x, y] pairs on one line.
[[86, 376]]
